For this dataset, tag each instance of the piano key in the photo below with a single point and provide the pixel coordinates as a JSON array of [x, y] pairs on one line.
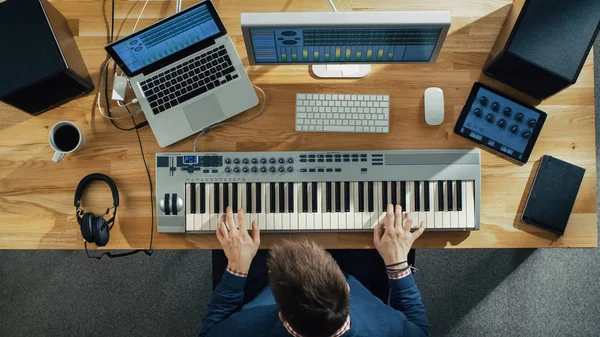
[[430, 203], [341, 217], [446, 214], [199, 216], [361, 197], [309, 207], [403, 195], [410, 197], [290, 193], [262, 204], [285, 214], [355, 217], [216, 197], [315, 198], [189, 217], [347, 196], [235, 204], [384, 200], [254, 213], [213, 198], [277, 225], [438, 205], [338, 197], [366, 215], [427, 197], [459, 200], [440, 193], [192, 194], [450, 195], [270, 206], [370, 196], [281, 197], [318, 215], [226, 201], [328, 197], [302, 208], [454, 212], [394, 193], [421, 215], [271, 197], [417, 191], [378, 215], [249, 197], [294, 214], [242, 204], [304, 198], [469, 193], [258, 200], [205, 210]]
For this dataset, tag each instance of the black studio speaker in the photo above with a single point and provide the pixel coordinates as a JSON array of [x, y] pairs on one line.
[[543, 45], [40, 64]]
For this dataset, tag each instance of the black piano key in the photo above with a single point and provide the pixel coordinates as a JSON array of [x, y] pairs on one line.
[[271, 198], [305, 197], [249, 208], [225, 196], [417, 196], [403, 194], [459, 195], [193, 198], [216, 198], [346, 197], [441, 195], [291, 198], [258, 198], [314, 197], [394, 194], [234, 197], [384, 195], [281, 197], [202, 198], [426, 188], [361, 197], [370, 196], [450, 194], [328, 197], [338, 197]]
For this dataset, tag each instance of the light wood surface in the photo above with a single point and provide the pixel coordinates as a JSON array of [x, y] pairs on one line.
[[36, 195]]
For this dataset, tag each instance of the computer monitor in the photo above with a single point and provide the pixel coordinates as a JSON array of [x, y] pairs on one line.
[[344, 44]]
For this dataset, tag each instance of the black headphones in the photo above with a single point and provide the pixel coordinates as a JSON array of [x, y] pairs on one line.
[[94, 228]]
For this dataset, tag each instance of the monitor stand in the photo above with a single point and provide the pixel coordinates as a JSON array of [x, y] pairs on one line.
[[341, 70]]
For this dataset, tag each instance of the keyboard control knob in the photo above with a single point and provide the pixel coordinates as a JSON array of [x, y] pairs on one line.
[[514, 129], [478, 113], [519, 117], [531, 123], [254, 169], [483, 101], [263, 169], [290, 169], [501, 123], [281, 160], [245, 161], [263, 160], [281, 169], [254, 161], [507, 112], [227, 169], [245, 169], [489, 118], [236, 169], [272, 169], [526, 134], [272, 160], [227, 161], [496, 106], [236, 161], [290, 160]]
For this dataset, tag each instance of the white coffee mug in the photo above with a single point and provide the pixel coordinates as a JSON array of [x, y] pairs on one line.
[[64, 137]]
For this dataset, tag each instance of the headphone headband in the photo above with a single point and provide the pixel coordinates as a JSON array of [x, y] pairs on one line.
[[94, 177]]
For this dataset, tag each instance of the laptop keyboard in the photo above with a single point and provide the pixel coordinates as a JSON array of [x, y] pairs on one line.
[[188, 80]]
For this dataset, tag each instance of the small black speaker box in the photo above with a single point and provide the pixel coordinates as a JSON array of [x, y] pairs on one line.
[[543, 45], [40, 65]]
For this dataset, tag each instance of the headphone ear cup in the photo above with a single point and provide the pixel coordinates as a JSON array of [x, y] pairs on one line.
[[86, 227], [102, 233]]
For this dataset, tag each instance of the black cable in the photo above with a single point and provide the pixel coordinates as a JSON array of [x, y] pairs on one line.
[[149, 251]]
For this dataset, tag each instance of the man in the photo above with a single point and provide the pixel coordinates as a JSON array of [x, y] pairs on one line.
[[309, 295]]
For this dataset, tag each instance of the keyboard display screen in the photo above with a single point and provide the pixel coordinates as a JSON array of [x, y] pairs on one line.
[[166, 38], [356, 45]]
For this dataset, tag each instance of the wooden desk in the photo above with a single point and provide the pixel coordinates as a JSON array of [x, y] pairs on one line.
[[36, 195]]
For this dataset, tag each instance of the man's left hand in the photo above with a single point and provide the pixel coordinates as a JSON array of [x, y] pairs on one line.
[[237, 244]]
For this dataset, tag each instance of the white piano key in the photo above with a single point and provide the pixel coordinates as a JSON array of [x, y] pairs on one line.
[[366, 215], [326, 215], [342, 215], [318, 216], [446, 215], [302, 216], [285, 216], [189, 217], [430, 216], [230, 202], [334, 223], [294, 215], [468, 192], [253, 213], [262, 216], [310, 217], [421, 215], [388, 193], [438, 214], [356, 220], [205, 218], [462, 215], [349, 224], [198, 217], [454, 213], [410, 196], [269, 217], [379, 213], [213, 219], [277, 225]]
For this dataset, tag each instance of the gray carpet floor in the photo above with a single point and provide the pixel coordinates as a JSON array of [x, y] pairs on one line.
[[507, 292]]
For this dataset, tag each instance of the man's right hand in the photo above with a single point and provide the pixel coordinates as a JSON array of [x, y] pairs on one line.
[[392, 236]]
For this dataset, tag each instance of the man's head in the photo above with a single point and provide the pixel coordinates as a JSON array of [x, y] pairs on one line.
[[309, 288]]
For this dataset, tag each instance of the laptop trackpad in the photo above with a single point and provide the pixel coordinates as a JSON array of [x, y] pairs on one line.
[[204, 113]]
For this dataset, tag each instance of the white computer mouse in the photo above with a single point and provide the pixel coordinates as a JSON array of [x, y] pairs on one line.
[[434, 106]]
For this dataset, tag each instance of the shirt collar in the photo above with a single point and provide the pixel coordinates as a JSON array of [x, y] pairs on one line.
[[338, 333]]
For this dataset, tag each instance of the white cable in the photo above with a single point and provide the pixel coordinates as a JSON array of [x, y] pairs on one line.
[[262, 108], [100, 95], [332, 5], [140, 16]]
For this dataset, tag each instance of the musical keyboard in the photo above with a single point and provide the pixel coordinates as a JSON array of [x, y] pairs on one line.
[[316, 191]]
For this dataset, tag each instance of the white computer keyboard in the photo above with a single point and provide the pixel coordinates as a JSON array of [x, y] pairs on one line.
[[343, 113]]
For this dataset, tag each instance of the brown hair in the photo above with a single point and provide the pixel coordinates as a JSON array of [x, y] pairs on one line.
[[309, 288]]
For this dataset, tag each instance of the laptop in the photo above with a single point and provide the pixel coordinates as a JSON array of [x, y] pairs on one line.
[[185, 73]]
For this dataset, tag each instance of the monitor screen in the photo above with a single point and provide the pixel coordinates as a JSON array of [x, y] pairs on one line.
[[344, 45], [166, 38]]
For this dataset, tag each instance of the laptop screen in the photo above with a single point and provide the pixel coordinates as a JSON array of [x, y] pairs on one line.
[[158, 42]]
